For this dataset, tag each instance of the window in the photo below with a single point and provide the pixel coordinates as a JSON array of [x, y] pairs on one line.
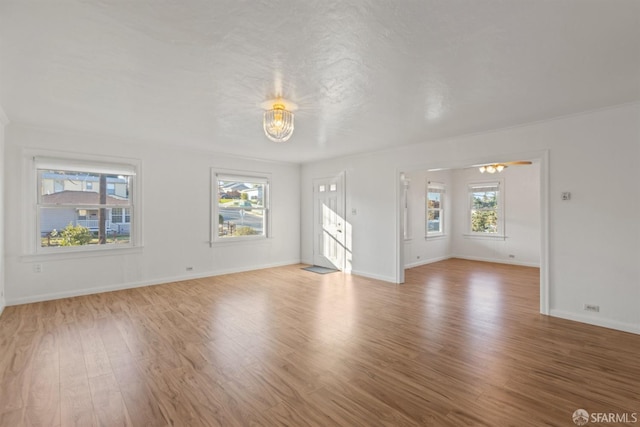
[[120, 216], [485, 207], [80, 205], [435, 209], [241, 207]]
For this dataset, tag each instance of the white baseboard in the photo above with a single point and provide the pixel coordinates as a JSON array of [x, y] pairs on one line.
[[418, 263], [498, 260], [2, 305], [138, 284], [374, 276], [605, 323]]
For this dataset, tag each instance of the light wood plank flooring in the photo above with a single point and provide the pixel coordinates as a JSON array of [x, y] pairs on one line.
[[461, 343]]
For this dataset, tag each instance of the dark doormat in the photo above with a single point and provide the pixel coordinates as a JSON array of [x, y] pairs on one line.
[[320, 270]]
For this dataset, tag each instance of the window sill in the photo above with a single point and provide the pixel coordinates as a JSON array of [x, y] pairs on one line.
[[435, 237], [79, 254], [485, 236], [240, 241]]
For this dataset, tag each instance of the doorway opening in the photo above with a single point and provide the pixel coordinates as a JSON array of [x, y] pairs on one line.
[[437, 219]]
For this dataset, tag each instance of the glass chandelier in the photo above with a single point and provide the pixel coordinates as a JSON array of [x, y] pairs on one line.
[[278, 123]]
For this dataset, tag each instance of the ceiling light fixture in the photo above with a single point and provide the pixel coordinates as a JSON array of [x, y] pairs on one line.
[[278, 122], [496, 167]]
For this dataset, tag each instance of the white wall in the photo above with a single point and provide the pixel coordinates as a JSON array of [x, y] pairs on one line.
[[593, 155], [175, 220], [418, 249], [521, 199], [4, 121], [370, 183]]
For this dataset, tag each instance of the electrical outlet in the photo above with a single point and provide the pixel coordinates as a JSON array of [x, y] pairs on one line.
[[591, 307], [37, 268]]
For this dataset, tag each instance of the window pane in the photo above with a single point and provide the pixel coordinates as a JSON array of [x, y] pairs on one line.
[[67, 226], [433, 221], [485, 210], [485, 199], [71, 209], [433, 200], [241, 206], [240, 194], [81, 188], [484, 221], [234, 222], [435, 204]]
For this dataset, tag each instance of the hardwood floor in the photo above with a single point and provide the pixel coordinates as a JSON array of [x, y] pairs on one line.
[[461, 343]]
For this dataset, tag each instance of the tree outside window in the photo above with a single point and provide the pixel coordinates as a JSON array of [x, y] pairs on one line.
[[485, 209]]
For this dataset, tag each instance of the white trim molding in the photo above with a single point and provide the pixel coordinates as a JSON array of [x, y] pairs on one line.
[[604, 323], [4, 119], [139, 284], [498, 261], [427, 261]]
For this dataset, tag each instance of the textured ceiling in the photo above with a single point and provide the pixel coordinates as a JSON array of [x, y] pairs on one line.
[[366, 75]]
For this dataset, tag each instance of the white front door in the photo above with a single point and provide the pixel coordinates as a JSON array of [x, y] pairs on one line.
[[329, 229]]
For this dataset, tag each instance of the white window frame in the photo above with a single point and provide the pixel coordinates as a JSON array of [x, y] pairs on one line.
[[435, 187], [498, 185], [239, 176], [35, 160]]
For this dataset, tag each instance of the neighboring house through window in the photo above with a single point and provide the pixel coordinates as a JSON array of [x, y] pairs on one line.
[[240, 207], [486, 213], [83, 203], [120, 216], [435, 209]]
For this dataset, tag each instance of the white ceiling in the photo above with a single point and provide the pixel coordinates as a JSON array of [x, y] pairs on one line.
[[366, 75]]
